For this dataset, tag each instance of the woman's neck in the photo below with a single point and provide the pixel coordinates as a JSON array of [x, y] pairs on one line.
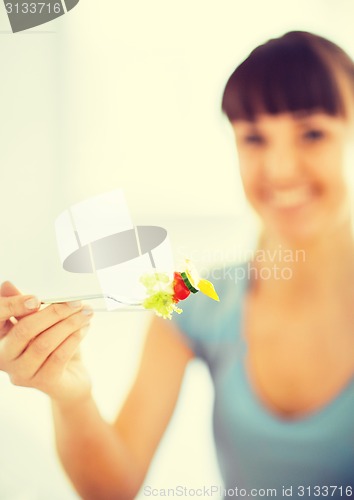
[[317, 267]]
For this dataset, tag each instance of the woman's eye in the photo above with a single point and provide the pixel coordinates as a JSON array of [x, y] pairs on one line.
[[254, 139], [313, 135]]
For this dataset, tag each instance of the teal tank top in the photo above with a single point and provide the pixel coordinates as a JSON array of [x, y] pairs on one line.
[[259, 453]]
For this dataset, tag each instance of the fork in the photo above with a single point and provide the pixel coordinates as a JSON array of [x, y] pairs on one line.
[[131, 304]]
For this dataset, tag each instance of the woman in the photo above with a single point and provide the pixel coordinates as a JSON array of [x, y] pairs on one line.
[[280, 344]]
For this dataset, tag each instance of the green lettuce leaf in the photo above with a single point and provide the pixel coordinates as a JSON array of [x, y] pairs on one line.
[[159, 290]]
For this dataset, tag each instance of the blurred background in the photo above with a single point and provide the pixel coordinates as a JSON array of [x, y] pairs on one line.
[[117, 94]]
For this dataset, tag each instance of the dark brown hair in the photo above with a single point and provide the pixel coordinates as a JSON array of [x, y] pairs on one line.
[[295, 72]]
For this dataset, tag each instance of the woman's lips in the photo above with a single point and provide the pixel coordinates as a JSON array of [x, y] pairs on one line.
[[289, 198]]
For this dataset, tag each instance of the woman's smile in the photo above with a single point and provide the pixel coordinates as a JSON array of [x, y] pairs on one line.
[[289, 198]]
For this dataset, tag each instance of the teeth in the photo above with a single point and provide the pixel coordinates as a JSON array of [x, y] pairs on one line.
[[290, 197]]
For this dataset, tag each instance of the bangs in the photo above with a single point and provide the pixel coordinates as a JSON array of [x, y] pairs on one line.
[[284, 75]]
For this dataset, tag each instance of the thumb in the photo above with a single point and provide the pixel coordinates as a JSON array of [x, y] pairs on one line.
[[8, 289]]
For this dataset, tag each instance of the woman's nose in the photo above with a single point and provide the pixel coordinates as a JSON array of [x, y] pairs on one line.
[[281, 164]]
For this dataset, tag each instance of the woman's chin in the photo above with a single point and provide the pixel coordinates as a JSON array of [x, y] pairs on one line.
[[300, 235]]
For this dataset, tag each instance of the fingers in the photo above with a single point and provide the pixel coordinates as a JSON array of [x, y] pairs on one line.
[[17, 306], [55, 364], [55, 344], [28, 328]]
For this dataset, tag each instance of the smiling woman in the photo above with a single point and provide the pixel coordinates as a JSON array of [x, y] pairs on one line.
[[281, 350]]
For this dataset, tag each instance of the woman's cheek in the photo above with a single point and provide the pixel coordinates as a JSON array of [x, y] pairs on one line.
[[250, 177]]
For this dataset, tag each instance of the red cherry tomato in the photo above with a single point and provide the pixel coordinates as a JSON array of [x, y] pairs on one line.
[[180, 288]]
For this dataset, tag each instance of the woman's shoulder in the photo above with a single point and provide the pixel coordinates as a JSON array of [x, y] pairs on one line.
[[208, 322]]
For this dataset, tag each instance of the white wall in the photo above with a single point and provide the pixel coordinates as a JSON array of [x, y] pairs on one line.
[[119, 94]]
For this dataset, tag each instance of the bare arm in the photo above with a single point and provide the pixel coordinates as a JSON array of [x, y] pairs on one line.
[[109, 462]]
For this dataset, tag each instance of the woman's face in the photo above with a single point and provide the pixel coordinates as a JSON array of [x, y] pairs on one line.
[[292, 166]]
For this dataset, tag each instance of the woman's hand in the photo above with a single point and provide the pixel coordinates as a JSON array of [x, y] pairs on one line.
[[39, 348]]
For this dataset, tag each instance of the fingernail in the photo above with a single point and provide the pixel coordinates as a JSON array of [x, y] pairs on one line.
[[87, 311], [32, 303], [75, 304]]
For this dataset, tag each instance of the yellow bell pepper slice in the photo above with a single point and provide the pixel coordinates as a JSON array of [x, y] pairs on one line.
[[208, 289]]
